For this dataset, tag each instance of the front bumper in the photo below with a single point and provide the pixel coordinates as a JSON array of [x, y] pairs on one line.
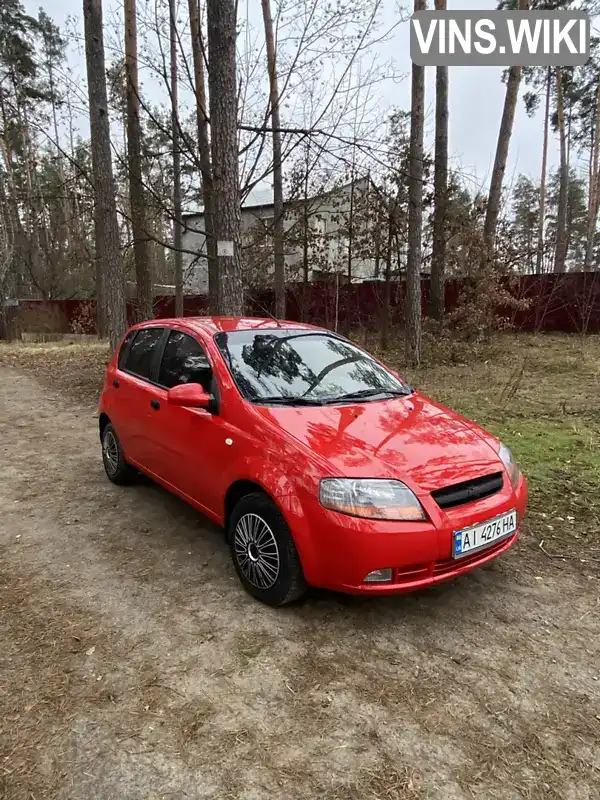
[[420, 554], [422, 576]]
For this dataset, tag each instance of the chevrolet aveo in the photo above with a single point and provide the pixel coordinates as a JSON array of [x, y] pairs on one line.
[[324, 467]]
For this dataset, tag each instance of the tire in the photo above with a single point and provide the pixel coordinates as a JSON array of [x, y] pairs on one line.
[[117, 469], [263, 552]]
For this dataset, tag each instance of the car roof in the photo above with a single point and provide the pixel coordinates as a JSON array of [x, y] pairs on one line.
[[214, 325]]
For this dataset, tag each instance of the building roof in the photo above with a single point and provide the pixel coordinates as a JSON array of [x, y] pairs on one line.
[[255, 199]]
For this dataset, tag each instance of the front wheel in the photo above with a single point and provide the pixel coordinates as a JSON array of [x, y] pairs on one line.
[[117, 469], [263, 552]]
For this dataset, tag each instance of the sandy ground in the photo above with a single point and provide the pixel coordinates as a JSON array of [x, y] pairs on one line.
[[132, 664]]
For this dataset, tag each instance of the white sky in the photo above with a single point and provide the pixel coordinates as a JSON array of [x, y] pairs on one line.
[[476, 96]]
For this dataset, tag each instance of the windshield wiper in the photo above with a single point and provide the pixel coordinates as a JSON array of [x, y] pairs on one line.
[[366, 394], [287, 401]]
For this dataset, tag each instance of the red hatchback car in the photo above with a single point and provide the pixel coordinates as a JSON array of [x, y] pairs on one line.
[[324, 467]]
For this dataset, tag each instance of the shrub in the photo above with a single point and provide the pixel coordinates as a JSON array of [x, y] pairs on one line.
[[84, 318], [486, 303]]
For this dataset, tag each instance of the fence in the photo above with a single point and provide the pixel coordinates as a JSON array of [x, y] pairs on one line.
[[567, 302]]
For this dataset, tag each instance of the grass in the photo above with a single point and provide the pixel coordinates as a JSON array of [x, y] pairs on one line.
[[74, 368]]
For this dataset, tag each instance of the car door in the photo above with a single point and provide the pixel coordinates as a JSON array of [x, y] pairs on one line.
[[134, 393], [190, 442]]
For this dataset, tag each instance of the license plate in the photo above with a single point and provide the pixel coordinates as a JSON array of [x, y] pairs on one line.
[[481, 536]]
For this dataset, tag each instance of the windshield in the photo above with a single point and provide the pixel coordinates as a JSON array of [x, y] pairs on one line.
[[298, 367]]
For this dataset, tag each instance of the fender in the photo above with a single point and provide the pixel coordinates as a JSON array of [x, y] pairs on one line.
[[271, 474]]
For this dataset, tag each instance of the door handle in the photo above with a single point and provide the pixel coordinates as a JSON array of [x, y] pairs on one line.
[[155, 404], [116, 383]]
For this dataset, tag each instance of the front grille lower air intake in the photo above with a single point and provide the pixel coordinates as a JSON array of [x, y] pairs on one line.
[[467, 492]]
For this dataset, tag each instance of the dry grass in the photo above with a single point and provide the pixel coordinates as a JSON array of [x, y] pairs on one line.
[[45, 682], [73, 368]]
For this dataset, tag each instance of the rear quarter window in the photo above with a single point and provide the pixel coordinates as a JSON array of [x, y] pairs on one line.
[[142, 351], [124, 351]]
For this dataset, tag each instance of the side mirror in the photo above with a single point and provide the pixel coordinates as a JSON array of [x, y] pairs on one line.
[[188, 395]]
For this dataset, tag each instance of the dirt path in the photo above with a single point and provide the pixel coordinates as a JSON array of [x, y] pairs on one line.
[[132, 665]]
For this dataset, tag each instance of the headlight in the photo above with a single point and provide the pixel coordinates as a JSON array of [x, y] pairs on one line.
[[511, 465], [371, 498]]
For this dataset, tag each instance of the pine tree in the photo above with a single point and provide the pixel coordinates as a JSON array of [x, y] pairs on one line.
[[108, 253], [222, 83], [415, 211], [139, 225]]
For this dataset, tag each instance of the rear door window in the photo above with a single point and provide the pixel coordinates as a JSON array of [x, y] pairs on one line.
[[184, 361], [142, 352]]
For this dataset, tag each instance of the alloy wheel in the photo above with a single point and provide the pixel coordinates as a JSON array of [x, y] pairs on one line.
[[110, 450], [256, 551]]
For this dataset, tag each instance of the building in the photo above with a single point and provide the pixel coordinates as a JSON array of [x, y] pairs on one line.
[[332, 235]]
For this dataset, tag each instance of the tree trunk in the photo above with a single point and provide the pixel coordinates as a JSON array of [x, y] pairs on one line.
[[176, 164], [17, 236], [305, 262], [560, 256], [139, 229], [204, 152], [387, 287], [504, 137], [438, 258], [594, 189], [222, 86], [108, 252], [542, 220], [349, 255], [33, 208], [415, 211], [278, 252], [65, 240], [377, 245]]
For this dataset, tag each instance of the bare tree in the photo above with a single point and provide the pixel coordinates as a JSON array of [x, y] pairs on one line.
[[176, 163], [108, 252], [278, 254], [222, 85], [562, 241], [594, 187], [415, 211], [53, 44], [438, 258], [141, 249], [204, 152], [384, 324], [544, 176], [325, 98]]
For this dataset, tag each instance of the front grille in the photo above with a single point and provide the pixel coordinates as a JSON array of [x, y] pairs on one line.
[[467, 492]]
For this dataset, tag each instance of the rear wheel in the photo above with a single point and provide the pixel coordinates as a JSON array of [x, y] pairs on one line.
[[117, 469], [263, 551]]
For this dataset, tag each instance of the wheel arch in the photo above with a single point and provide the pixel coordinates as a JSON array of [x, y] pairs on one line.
[[281, 492], [239, 489], [103, 421]]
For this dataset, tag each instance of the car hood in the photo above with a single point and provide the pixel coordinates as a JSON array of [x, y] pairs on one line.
[[408, 438]]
